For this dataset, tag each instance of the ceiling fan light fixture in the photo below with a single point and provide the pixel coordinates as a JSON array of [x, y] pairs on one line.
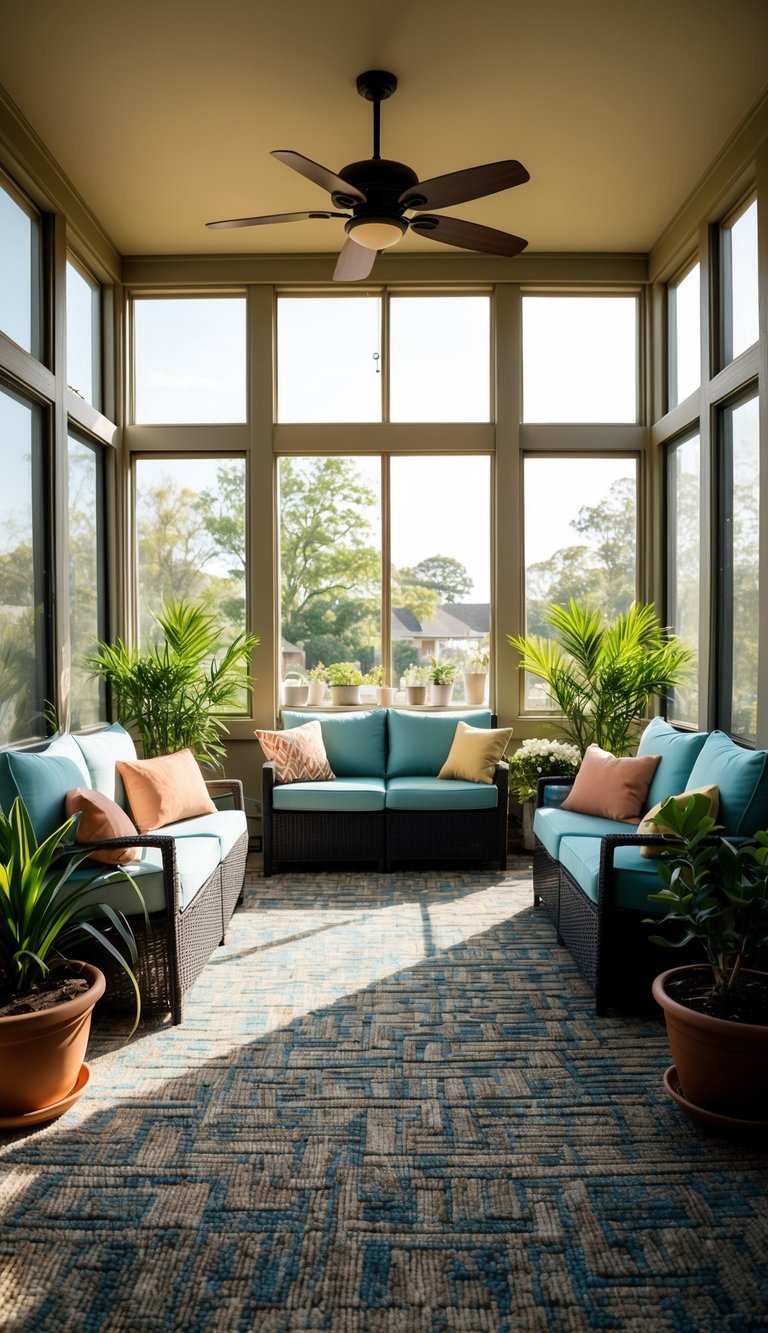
[[376, 233]]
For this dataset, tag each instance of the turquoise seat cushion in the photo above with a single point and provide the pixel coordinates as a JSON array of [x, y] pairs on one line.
[[635, 876], [420, 742], [196, 860], [741, 775], [100, 750], [343, 794], [679, 751], [355, 743], [551, 825], [428, 793], [42, 781], [226, 826]]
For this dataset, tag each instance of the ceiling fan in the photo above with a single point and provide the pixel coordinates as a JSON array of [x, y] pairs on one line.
[[379, 192]]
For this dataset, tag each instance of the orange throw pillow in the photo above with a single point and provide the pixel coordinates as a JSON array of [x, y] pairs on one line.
[[161, 791], [611, 787], [298, 753], [101, 817]]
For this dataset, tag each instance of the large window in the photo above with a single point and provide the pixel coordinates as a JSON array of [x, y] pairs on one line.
[[83, 334], [19, 272], [189, 359], [684, 336], [329, 359], [580, 517], [440, 349], [87, 587], [580, 358], [24, 668], [684, 563], [739, 569], [738, 241]]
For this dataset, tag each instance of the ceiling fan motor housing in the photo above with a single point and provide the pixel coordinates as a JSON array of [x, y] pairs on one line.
[[381, 180]]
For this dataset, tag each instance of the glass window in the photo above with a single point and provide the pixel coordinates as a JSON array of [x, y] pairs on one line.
[[739, 283], [83, 334], [191, 531], [440, 358], [579, 358], [23, 640], [87, 585], [684, 336], [440, 561], [19, 274], [330, 561], [329, 358], [740, 569], [684, 563], [580, 529], [190, 358]]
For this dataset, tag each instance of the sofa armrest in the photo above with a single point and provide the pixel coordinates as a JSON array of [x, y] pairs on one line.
[[227, 787], [543, 783], [165, 844]]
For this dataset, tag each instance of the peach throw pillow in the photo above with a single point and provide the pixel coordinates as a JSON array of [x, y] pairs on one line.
[[161, 791], [611, 787], [100, 818]]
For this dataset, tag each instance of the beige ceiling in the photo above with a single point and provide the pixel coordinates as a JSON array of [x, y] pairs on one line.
[[163, 112]]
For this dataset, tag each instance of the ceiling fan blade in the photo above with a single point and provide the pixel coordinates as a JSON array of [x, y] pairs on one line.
[[354, 262], [270, 218], [459, 186], [468, 235], [327, 180]]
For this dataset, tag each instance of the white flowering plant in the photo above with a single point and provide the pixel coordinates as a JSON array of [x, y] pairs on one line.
[[540, 759]]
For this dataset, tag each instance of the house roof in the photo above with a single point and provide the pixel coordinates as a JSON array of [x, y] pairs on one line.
[[452, 620]]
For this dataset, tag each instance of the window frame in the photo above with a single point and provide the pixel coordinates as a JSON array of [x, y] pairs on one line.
[[724, 565], [96, 399]]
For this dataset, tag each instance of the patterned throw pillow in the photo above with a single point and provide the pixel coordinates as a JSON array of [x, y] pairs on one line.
[[298, 754]]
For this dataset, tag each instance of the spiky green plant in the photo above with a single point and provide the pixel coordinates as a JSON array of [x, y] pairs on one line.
[[44, 916], [175, 692], [602, 677]]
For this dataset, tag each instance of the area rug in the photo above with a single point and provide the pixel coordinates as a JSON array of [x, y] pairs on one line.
[[390, 1106]]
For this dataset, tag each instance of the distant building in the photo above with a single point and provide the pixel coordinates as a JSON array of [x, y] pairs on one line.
[[455, 627]]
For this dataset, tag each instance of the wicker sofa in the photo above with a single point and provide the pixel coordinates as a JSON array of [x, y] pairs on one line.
[[190, 873], [591, 879], [386, 803]]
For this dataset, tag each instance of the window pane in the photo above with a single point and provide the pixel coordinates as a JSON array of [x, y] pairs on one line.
[[190, 360], [579, 358], [740, 572], [87, 622], [23, 665], [684, 563], [580, 540], [330, 561], [191, 526], [19, 275], [739, 262], [440, 561], [440, 358], [684, 337], [329, 358], [83, 341]]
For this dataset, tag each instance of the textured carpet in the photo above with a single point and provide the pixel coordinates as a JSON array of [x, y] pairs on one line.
[[389, 1107]]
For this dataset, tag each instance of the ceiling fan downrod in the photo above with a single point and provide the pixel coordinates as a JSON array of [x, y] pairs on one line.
[[376, 85]]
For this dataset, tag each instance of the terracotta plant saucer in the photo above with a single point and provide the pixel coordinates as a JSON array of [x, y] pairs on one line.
[[721, 1124], [45, 1113]]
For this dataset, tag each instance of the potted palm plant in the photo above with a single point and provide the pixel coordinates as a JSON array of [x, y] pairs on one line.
[[715, 891], [46, 998], [345, 679], [441, 678]]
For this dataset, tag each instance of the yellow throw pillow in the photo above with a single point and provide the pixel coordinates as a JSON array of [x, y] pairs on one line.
[[475, 753], [161, 791], [648, 825], [298, 753]]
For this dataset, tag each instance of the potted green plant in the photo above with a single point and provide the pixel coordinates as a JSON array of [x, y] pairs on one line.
[[175, 692], [385, 694], [476, 675], [441, 678], [715, 891], [46, 998], [317, 676], [416, 677], [345, 679], [600, 677], [533, 760]]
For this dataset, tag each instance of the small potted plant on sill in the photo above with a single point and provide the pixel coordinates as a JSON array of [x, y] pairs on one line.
[[46, 998], [317, 678], [345, 679], [476, 675], [385, 694], [715, 890], [416, 677], [533, 760], [441, 678]]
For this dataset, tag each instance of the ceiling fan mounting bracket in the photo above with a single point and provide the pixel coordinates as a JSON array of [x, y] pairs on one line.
[[376, 85]]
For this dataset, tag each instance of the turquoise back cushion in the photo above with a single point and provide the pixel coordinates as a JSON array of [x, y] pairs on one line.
[[355, 743], [42, 781], [679, 751], [742, 776], [419, 743], [100, 750]]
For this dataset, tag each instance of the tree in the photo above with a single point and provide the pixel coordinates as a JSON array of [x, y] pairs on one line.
[[444, 575]]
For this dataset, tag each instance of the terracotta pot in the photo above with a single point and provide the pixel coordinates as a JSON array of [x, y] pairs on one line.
[[721, 1065], [441, 695], [41, 1054], [416, 694], [345, 694], [385, 695], [474, 686]]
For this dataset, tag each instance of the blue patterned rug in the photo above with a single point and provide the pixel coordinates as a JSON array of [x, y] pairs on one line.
[[390, 1107]]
